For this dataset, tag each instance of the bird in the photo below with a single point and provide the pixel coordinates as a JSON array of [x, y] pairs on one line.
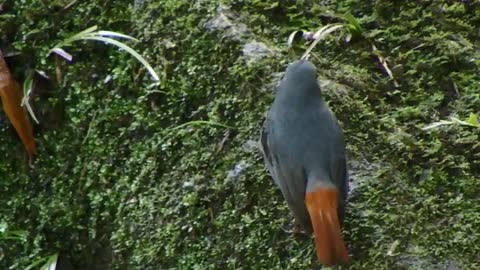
[[304, 150]]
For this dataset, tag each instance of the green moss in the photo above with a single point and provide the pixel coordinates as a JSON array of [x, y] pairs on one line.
[[112, 182]]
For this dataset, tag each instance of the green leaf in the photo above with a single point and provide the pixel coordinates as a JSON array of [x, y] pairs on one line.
[[3, 226], [437, 124], [473, 120], [51, 263], [47, 263], [273, 5], [352, 23], [27, 90]]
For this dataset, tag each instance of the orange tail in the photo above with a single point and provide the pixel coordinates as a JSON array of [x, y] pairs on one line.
[[322, 206]]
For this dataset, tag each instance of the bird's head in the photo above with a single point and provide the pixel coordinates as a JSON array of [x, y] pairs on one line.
[[301, 70], [300, 80]]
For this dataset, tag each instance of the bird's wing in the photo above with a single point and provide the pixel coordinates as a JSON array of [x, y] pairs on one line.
[[287, 174], [264, 147]]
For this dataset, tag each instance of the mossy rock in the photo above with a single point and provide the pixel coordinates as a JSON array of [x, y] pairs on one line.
[[115, 186]]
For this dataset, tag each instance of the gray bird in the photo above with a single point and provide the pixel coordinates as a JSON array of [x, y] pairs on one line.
[[304, 151]]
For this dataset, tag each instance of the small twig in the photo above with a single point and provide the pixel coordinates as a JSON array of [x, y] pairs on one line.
[[385, 66], [69, 5], [58, 70], [418, 47], [454, 85], [315, 56], [90, 125], [221, 144]]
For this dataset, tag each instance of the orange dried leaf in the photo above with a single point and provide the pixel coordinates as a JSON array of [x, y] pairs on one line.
[[11, 96]]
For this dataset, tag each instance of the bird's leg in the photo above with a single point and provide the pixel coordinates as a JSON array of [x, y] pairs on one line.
[[295, 229]]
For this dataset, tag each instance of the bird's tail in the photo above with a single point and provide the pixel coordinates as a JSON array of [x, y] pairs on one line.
[[322, 206]]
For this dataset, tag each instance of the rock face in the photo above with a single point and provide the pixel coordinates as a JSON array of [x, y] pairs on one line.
[[138, 4], [228, 23], [114, 169], [224, 21], [235, 173], [254, 51], [428, 263]]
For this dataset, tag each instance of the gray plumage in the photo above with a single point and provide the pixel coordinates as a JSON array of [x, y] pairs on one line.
[[302, 143]]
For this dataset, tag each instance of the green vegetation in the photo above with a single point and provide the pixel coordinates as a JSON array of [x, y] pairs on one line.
[[122, 180], [90, 33]]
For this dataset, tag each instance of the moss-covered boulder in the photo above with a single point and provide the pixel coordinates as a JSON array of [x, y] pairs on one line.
[[133, 174]]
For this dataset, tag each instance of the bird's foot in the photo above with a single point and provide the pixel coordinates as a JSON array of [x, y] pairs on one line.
[[294, 229]]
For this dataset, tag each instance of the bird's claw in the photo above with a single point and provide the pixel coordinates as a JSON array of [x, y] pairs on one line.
[[295, 229]]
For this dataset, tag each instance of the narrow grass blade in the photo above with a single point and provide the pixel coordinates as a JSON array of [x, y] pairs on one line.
[[104, 33], [51, 263], [71, 39], [437, 124], [129, 50], [27, 86], [82, 34], [27, 90], [201, 122], [320, 34], [293, 36], [45, 263], [62, 53]]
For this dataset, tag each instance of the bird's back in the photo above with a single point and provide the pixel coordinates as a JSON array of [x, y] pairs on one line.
[[305, 153], [307, 135]]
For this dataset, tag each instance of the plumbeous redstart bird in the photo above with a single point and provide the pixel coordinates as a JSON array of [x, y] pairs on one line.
[[304, 151]]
